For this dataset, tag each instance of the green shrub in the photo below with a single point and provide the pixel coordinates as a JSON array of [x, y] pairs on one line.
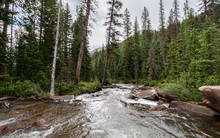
[[25, 88], [70, 88], [64, 88], [179, 90]]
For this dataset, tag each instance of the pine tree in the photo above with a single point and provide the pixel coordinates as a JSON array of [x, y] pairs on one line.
[[136, 49], [171, 25], [145, 20], [112, 32], [77, 31], [162, 37], [28, 62], [84, 40], [127, 46], [63, 62], [48, 34], [127, 24], [176, 16], [153, 68], [186, 9], [5, 17], [204, 6]]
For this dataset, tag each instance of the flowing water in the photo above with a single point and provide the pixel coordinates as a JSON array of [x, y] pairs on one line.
[[102, 115]]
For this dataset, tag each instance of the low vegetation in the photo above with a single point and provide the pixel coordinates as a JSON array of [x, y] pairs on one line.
[[83, 87]]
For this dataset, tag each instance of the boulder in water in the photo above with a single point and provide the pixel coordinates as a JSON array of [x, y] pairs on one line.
[[211, 96], [193, 109], [148, 93], [3, 129]]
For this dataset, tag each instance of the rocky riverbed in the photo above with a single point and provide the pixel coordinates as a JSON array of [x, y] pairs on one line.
[[112, 113]]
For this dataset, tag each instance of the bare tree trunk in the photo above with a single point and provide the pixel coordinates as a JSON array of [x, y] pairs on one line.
[[84, 39], [55, 53], [108, 44]]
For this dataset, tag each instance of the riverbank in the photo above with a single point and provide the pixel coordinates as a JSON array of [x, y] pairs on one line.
[[68, 94], [28, 89]]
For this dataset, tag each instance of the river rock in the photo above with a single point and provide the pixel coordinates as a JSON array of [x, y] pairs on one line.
[[148, 93], [211, 96], [166, 96], [3, 129], [193, 109], [158, 108]]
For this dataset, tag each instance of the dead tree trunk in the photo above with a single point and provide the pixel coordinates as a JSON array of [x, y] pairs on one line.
[[55, 53]]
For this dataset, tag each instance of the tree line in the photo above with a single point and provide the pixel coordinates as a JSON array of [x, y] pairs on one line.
[[179, 57], [39, 40], [28, 37]]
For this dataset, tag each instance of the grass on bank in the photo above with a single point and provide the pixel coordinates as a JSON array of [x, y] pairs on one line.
[[28, 88], [83, 87]]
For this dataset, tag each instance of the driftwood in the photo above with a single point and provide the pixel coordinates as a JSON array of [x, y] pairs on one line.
[[5, 105], [7, 98]]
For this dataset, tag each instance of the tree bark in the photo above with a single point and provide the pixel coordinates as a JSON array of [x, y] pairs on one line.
[[108, 44], [55, 53], [83, 43]]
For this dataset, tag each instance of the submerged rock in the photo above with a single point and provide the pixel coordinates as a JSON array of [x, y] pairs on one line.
[[193, 109], [211, 96], [148, 93], [3, 129]]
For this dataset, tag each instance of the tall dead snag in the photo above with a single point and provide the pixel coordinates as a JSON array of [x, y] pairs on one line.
[[84, 40], [55, 53]]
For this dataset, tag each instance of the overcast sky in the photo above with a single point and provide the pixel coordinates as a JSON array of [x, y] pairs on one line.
[[98, 37]]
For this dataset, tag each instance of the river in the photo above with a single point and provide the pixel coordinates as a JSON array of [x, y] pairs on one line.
[[102, 115]]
